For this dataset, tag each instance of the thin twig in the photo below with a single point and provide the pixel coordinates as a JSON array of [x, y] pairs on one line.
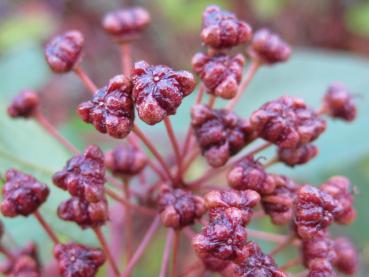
[[271, 162], [46, 227], [141, 248], [128, 220], [290, 263], [106, 249], [89, 84], [126, 57], [282, 245], [166, 253], [9, 255], [270, 236], [175, 145], [176, 242]]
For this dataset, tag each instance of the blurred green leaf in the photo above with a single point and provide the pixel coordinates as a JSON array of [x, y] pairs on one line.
[[266, 9], [357, 18]]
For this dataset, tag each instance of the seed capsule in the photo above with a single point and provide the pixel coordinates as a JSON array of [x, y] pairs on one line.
[[24, 104], [297, 156]]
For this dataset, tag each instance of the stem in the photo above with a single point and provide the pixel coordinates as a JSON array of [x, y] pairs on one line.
[[192, 156], [126, 58], [165, 260], [174, 142], [282, 245], [9, 255], [290, 263], [141, 248], [105, 247], [211, 102], [46, 227], [271, 162], [175, 253], [128, 220], [245, 82], [48, 127], [89, 84], [270, 236], [153, 150]]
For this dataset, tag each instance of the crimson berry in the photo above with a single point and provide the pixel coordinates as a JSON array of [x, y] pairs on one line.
[[22, 194], [84, 213], [24, 104], [321, 268], [296, 156], [222, 29], [347, 260], [257, 263], [338, 102], [76, 260], [84, 175], [179, 208], [158, 90], [221, 73], [315, 210], [125, 160], [250, 174], [320, 247], [63, 52], [279, 204], [111, 109], [126, 24], [219, 133], [267, 47], [287, 122], [339, 187]]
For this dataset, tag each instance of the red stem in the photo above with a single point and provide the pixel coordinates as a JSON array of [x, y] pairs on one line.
[[128, 220], [245, 82], [192, 156], [126, 57], [7, 253], [211, 102], [46, 227], [141, 248], [177, 234], [89, 84], [153, 150], [282, 245], [270, 236], [166, 253], [290, 263], [48, 127], [174, 142], [271, 162], [106, 249]]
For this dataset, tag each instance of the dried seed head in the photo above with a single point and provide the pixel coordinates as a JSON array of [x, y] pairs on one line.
[[321, 268], [24, 104], [78, 260], [22, 194], [315, 210], [338, 102], [279, 204], [287, 122], [219, 133], [83, 213], [63, 52], [158, 90], [221, 73], [295, 156], [179, 208], [111, 109], [222, 29], [214, 264], [267, 47], [126, 24], [257, 263], [347, 260], [318, 248], [84, 175], [230, 200], [250, 174], [223, 238], [339, 187], [125, 160]]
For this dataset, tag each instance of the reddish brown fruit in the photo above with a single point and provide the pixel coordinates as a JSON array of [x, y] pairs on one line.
[[179, 208], [221, 73], [126, 24], [297, 156], [338, 103], [158, 90], [24, 104], [63, 52], [222, 29], [269, 48], [83, 213], [125, 160], [279, 204], [250, 174], [287, 122], [76, 260], [111, 109], [219, 133], [22, 194], [347, 260], [84, 175], [257, 264], [339, 187], [315, 210]]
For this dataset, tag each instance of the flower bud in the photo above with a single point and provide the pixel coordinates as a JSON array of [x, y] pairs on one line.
[[24, 104], [347, 260], [296, 156]]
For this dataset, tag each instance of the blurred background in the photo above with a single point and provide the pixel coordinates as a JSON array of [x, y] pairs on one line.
[[330, 40]]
